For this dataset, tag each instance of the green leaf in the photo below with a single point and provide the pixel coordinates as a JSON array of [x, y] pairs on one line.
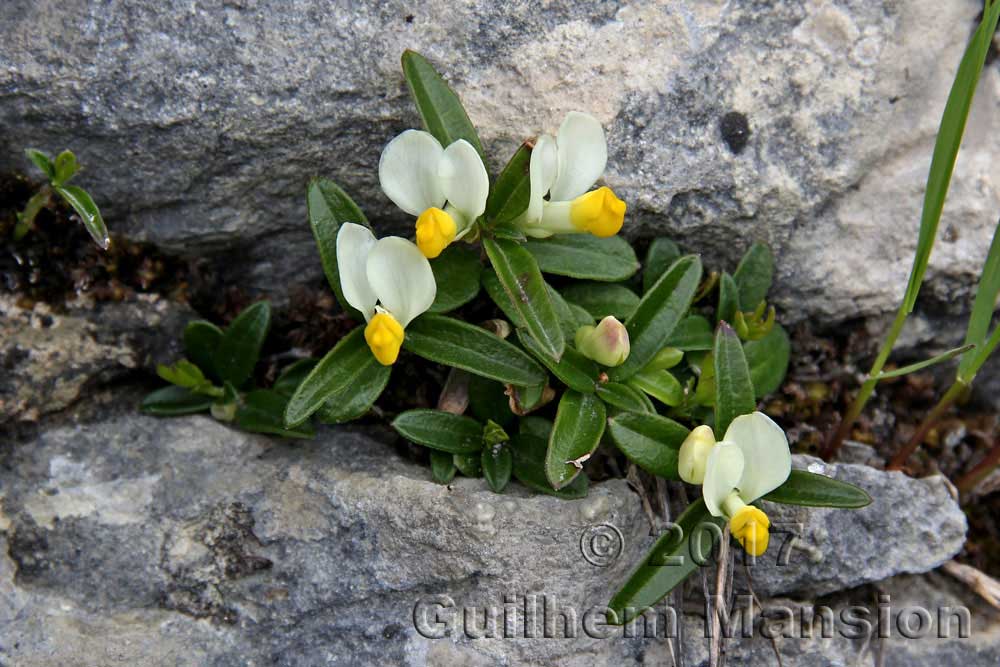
[[42, 161], [729, 299], [528, 449], [443, 431], [488, 401], [347, 370], [66, 167], [329, 207], [650, 441], [812, 490], [470, 465], [982, 312], [356, 401], [184, 374], [455, 343], [603, 299], [85, 207], [661, 385], [753, 276], [674, 557], [578, 428], [574, 370], [585, 257], [443, 467], [768, 360], [658, 313], [510, 232], [509, 197], [201, 342], [693, 334], [949, 139], [497, 463], [539, 427], [529, 297], [734, 394], [173, 401], [926, 363], [239, 348], [293, 375], [661, 254], [441, 110], [26, 218], [456, 272], [624, 397], [263, 410]]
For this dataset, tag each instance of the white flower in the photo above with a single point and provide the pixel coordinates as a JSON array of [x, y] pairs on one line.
[[752, 460], [565, 168], [420, 176], [388, 280]]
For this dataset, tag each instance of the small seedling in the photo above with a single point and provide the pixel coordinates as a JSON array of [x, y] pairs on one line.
[[59, 172]]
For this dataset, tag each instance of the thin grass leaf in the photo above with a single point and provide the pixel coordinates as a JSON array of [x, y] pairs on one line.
[[949, 139], [982, 310], [920, 365]]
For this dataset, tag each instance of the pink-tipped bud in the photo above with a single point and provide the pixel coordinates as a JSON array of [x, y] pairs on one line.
[[607, 343]]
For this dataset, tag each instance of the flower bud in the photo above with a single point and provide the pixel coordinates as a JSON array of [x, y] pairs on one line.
[[694, 454], [607, 343]]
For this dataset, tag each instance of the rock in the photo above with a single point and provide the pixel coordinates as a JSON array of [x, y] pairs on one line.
[[912, 525], [809, 125], [962, 630], [49, 359], [182, 541]]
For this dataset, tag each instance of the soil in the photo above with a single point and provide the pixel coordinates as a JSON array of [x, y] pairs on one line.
[[57, 261]]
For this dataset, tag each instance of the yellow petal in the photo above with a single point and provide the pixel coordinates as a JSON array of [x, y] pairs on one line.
[[435, 230], [599, 212], [384, 336], [749, 526]]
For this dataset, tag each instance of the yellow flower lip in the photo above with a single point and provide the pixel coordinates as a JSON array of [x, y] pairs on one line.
[[435, 230], [749, 526], [599, 212], [384, 336]]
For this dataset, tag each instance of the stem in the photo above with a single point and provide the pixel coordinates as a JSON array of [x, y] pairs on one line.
[[833, 445], [967, 482], [950, 396]]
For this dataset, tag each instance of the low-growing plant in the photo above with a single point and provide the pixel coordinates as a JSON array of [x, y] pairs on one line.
[[216, 376], [578, 344], [635, 359], [59, 172]]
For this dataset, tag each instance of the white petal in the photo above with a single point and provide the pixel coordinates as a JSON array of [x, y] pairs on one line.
[[542, 172], [402, 278], [583, 153], [463, 179], [765, 449], [354, 242], [722, 473], [408, 172]]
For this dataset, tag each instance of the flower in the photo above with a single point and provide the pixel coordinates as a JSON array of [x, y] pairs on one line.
[[752, 460], [694, 453], [445, 188], [389, 280], [607, 343], [565, 168]]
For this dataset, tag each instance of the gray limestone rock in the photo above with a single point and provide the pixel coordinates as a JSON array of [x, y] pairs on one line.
[[183, 542], [806, 125]]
